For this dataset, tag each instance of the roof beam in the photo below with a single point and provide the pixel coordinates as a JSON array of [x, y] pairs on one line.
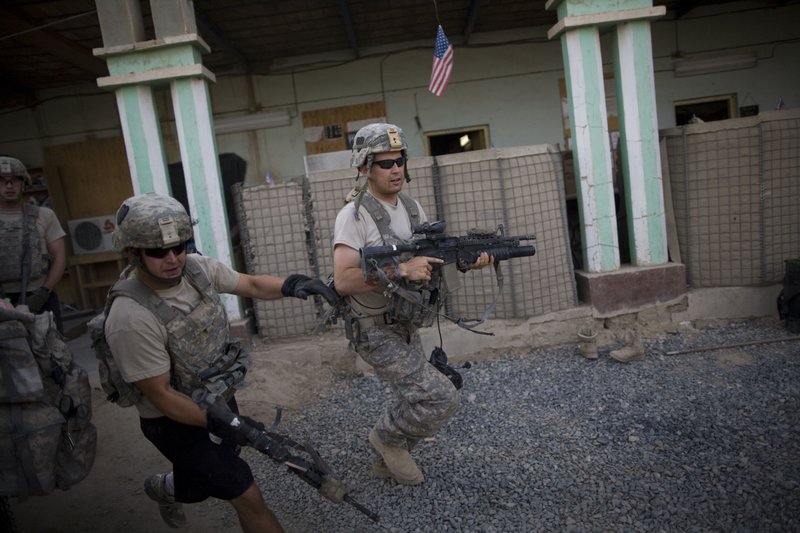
[[472, 16], [347, 19], [51, 42]]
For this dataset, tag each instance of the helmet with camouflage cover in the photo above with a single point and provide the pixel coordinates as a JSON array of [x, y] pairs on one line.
[[11, 167], [151, 221], [374, 139]]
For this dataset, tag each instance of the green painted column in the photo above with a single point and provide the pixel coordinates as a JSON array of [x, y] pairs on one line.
[[641, 161], [578, 27], [173, 59], [194, 121], [591, 151], [143, 142]]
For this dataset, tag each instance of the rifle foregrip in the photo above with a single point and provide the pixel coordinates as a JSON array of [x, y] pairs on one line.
[[510, 253]]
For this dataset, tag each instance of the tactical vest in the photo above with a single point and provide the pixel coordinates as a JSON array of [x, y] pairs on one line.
[[196, 341], [12, 249], [411, 303]]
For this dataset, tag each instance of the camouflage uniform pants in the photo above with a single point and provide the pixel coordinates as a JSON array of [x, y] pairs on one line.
[[423, 398]]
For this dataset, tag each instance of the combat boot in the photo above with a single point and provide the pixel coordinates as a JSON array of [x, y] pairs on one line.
[[171, 511], [397, 462], [632, 351], [379, 468]]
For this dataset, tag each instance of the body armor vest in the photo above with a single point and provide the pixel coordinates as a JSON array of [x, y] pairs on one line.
[[197, 340], [415, 303], [15, 251]]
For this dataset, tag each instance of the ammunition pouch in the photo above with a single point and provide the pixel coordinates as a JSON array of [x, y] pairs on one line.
[[227, 373], [414, 307], [354, 326]]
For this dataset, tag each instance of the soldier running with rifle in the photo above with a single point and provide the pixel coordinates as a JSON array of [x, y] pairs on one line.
[[173, 345], [389, 295]]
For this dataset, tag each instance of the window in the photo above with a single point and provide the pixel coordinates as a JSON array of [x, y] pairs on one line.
[[457, 140], [705, 109]]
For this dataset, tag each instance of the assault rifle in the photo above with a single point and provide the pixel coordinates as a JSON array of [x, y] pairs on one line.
[[213, 396], [430, 240]]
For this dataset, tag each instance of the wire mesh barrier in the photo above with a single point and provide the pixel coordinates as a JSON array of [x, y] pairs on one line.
[[735, 189], [289, 228]]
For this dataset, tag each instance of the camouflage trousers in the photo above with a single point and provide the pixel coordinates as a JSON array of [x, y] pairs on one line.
[[423, 398]]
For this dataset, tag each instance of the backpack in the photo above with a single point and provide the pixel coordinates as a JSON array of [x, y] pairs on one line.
[[47, 438]]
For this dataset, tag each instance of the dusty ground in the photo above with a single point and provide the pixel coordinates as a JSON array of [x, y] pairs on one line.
[[111, 498]]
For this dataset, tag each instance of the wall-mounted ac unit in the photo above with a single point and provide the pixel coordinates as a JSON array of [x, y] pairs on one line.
[[91, 235]]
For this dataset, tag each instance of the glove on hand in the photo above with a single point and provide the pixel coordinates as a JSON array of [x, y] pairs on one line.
[[301, 286], [232, 432], [37, 299]]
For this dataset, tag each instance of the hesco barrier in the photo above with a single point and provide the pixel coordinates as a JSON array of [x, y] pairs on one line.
[[288, 228]]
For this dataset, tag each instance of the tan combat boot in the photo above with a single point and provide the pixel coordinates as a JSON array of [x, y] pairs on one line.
[[632, 351], [397, 462], [588, 343]]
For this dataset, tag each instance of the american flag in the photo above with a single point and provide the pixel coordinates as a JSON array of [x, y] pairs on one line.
[[442, 64]]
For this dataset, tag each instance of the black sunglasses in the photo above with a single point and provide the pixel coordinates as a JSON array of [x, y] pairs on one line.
[[386, 164], [161, 253]]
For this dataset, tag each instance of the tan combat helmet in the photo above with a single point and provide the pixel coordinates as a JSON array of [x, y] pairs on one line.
[[151, 221], [11, 167], [374, 139]]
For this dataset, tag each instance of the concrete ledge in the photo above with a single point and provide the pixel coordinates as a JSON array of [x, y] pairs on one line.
[[731, 303], [631, 288], [691, 310]]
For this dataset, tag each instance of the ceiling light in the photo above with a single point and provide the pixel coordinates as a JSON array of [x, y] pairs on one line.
[[256, 121], [463, 140]]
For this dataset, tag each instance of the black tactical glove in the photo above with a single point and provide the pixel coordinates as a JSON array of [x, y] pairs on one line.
[[37, 299], [301, 286], [231, 431]]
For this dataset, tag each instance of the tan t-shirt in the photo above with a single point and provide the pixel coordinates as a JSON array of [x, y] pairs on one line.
[[49, 229], [363, 233], [138, 339]]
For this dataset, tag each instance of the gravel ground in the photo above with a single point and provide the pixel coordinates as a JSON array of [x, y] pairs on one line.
[[549, 441]]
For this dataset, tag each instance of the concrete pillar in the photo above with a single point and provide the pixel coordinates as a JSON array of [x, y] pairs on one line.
[[141, 131], [195, 125], [121, 22], [591, 149], [578, 28], [603, 283], [641, 162], [174, 60]]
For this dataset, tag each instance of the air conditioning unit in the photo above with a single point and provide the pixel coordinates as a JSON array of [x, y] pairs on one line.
[[91, 235]]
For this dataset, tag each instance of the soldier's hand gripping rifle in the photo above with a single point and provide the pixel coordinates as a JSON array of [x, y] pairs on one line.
[[313, 470], [430, 240]]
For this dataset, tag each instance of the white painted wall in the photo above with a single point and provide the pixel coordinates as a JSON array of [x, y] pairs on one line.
[[511, 87]]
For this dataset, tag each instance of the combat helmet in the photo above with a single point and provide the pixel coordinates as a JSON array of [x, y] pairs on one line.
[[151, 221], [11, 167], [376, 138]]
